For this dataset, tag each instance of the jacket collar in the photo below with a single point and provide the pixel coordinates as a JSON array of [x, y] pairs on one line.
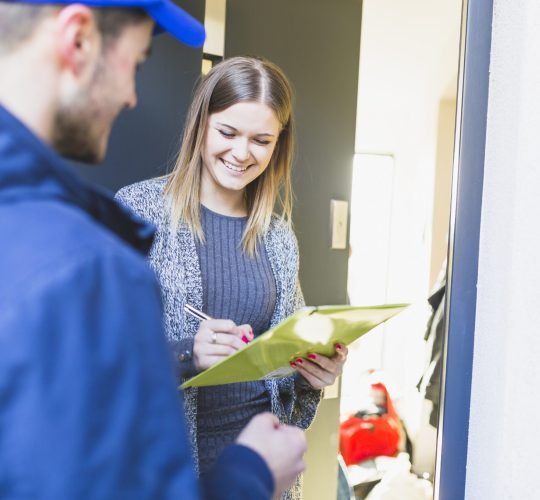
[[29, 169]]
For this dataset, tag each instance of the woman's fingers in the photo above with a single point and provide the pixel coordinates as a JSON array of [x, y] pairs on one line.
[[242, 332], [206, 354], [326, 376], [333, 364], [218, 325], [321, 371], [222, 349], [342, 351], [317, 380], [223, 339], [217, 339], [245, 333]]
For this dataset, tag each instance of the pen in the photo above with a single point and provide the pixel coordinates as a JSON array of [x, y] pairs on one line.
[[195, 312], [189, 309]]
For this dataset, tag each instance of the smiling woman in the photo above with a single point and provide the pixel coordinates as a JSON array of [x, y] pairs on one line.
[[244, 107], [221, 249], [240, 141]]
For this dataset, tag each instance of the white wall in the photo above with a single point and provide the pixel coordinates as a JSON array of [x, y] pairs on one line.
[[408, 63], [503, 460], [214, 23]]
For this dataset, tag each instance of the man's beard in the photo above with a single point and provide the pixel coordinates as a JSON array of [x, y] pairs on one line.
[[73, 136], [78, 124]]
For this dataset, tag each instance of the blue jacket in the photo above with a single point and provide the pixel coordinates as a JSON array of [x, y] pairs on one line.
[[88, 404]]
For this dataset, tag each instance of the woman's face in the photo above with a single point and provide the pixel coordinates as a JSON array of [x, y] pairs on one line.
[[239, 144]]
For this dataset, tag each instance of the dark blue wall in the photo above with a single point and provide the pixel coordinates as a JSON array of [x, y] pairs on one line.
[[144, 140], [317, 44]]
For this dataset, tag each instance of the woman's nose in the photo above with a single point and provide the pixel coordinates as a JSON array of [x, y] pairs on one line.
[[241, 150]]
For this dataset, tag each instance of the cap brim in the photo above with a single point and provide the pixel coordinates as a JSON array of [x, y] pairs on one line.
[[177, 22]]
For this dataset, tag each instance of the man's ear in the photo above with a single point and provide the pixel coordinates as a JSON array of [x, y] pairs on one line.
[[78, 40]]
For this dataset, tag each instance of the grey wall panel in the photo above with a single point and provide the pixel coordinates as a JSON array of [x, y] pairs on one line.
[[317, 44], [144, 140]]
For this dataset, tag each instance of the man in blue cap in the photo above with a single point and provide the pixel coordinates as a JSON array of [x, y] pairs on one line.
[[88, 403]]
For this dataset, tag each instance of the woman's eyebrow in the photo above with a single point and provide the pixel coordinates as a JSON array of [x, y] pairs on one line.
[[266, 134]]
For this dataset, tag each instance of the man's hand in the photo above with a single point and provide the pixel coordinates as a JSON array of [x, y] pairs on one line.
[[217, 339], [281, 446]]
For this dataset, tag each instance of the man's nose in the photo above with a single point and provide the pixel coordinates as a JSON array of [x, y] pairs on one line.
[[131, 101]]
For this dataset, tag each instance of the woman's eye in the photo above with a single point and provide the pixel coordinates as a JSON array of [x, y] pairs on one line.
[[262, 142], [228, 135]]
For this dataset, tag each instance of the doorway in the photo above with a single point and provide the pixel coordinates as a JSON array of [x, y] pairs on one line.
[[400, 213]]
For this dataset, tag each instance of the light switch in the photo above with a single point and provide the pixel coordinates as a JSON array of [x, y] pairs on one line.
[[338, 215]]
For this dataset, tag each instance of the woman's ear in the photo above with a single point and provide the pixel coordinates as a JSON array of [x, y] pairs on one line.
[[78, 40]]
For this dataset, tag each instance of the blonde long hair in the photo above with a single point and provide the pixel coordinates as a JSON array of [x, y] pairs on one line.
[[234, 80]]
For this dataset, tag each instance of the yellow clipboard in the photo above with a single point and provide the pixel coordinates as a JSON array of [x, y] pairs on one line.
[[310, 329]]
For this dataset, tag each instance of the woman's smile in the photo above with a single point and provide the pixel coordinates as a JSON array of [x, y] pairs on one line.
[[235, 168]]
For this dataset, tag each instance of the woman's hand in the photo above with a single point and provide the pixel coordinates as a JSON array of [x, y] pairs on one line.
[[321, 371], [217, 339]]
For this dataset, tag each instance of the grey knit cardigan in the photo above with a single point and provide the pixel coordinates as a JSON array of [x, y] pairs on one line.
[[174, 259]]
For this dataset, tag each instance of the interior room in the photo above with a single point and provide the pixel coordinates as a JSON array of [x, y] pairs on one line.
[[400, 213]]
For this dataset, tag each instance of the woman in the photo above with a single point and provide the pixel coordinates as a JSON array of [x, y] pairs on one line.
[[220, 248]]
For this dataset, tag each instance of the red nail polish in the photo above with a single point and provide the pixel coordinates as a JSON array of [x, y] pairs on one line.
[[299, 361], [339, 347], [311, 356], [293, 364], [244, 339]]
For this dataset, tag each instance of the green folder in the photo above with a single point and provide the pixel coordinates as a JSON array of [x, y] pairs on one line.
[[310, 329]]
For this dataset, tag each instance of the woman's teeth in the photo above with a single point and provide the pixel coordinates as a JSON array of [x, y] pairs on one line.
[[233, 167]]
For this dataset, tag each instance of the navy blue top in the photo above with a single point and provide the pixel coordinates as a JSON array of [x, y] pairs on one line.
[[241, 288], [88, 403]]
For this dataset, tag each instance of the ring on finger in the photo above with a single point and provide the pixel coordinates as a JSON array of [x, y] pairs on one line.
[[214, 338]]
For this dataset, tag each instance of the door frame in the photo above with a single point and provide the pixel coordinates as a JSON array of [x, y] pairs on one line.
[[468, 177]]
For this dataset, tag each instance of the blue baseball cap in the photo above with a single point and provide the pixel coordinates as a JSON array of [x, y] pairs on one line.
[[168, 16]]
